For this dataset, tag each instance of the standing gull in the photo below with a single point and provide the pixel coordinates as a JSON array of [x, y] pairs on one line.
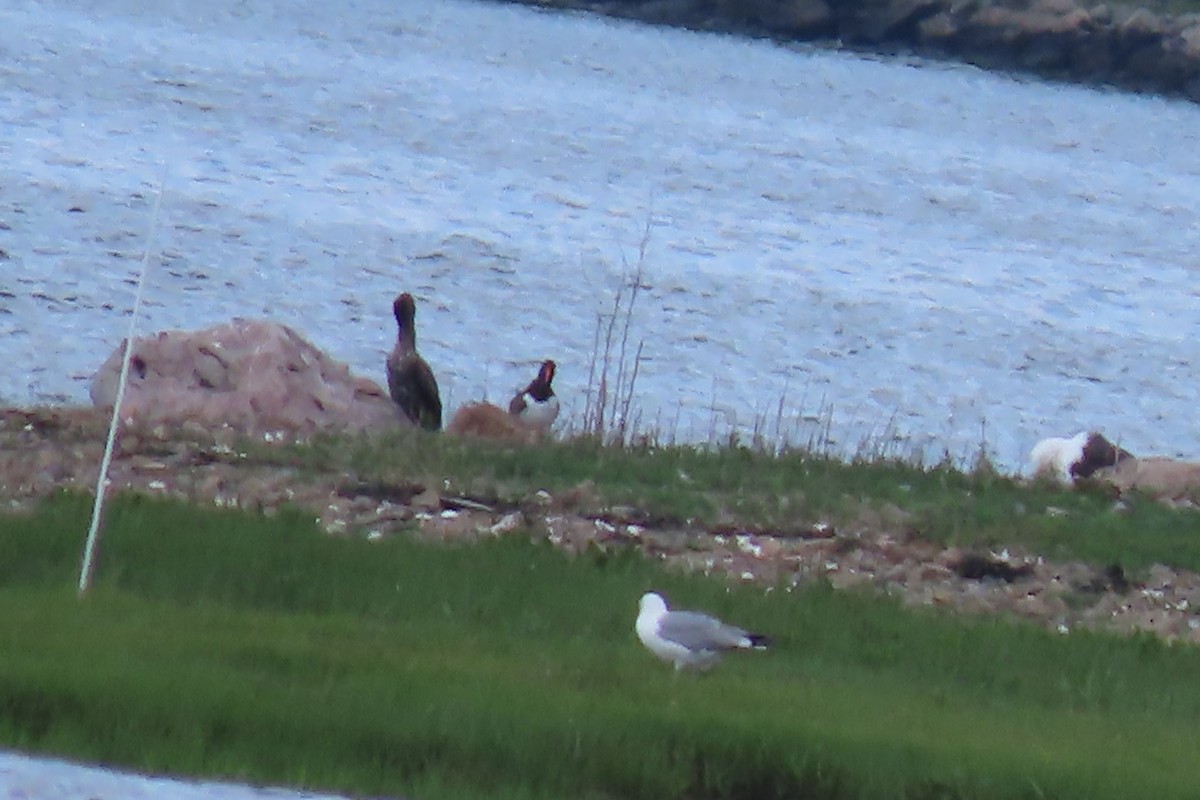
[[689, 638]]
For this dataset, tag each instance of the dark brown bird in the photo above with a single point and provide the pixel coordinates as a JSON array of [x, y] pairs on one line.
[[410, 380], [536, 405]]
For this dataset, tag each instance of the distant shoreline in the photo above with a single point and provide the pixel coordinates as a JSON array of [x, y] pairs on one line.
[[1125, 47]]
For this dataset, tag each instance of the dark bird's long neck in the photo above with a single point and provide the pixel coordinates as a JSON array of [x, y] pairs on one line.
[[406, 334]]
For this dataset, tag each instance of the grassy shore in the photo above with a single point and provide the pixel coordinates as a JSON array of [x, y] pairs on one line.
[[225, 643], [790, 491]]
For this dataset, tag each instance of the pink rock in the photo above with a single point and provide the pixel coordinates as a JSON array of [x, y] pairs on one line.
[[1163, 478], [251, 375]]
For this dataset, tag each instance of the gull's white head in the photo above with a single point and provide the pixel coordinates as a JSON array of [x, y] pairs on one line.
[[651, 610], [652, 605]]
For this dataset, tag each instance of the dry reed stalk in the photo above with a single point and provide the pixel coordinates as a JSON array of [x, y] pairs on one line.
[[609, 409]]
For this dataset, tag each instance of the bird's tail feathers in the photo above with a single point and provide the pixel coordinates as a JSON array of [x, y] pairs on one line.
[[758, 641]]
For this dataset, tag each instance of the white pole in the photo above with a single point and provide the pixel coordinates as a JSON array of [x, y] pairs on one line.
[[89, 550]]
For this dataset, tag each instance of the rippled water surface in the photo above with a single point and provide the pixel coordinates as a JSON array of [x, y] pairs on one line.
[[917, 250], [26, 778]]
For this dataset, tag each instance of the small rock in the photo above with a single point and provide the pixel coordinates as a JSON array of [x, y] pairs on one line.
[[428, 500], [506, 524]]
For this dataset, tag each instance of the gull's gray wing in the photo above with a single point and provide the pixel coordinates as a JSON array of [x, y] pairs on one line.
[[697, 631]]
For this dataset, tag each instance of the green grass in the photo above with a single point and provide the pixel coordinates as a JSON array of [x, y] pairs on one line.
[[787, 492], [226, 644]]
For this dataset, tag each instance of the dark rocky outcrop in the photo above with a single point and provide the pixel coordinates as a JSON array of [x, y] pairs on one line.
[[1123, 46]]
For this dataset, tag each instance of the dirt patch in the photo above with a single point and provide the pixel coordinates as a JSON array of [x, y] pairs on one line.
[[44, 450]]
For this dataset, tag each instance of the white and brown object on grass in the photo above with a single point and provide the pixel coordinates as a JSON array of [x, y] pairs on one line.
[[1081, 456], [1091, 457], [410, 380], [536, 406]]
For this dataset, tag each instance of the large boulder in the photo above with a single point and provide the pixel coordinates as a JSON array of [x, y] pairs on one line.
[[251, 375]]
